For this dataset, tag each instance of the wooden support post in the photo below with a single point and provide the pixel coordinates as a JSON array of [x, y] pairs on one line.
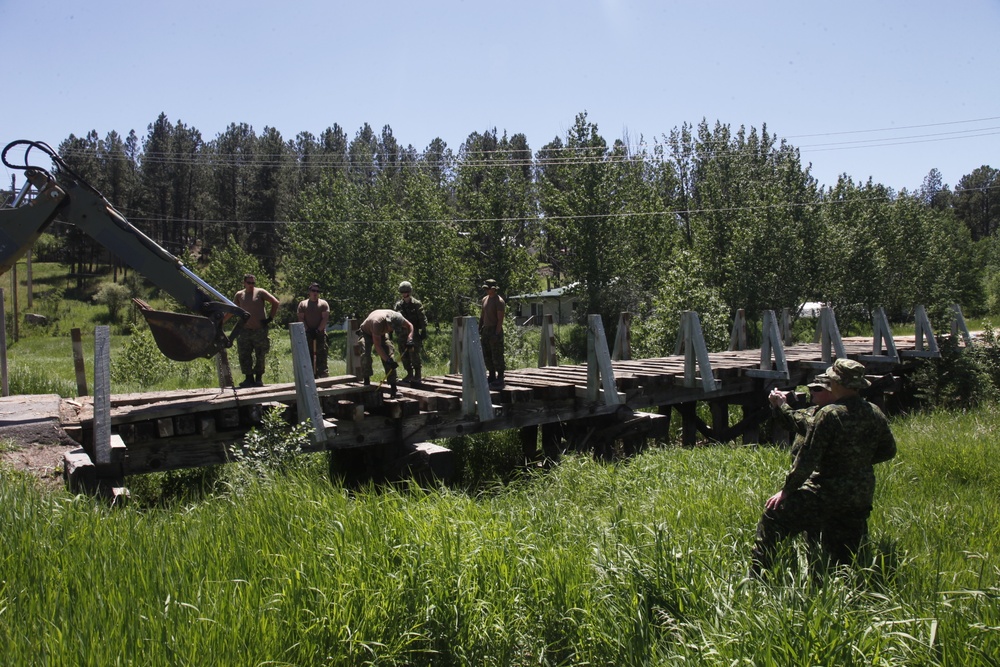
[[738, 339], [306, 397], [923, 332], [958, 324], [457, 340], [354, 351], [695, 352], [78, 365], [4, 381], [600, 376], [552, 441], [102, 398], [476, 398], [720, 415], [547, 347], [623, 338], [881, 334], [529, 442], [689, 423], [223, 372], [786, 327], [771, 346], [829, 335]]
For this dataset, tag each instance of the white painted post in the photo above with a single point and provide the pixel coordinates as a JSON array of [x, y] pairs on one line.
[[696, 353], [476, 398], [547, 346], [738, 339], [623, 338], [830, 335], [600, 375], [306, 397]]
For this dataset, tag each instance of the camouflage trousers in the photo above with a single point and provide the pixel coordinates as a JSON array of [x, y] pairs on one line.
[[367, 351], [841, 528], [493, 350], [410, 355], [316, 341], [252, 345]]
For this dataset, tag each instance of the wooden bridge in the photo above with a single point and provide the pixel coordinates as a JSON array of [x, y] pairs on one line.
[[599, 405]]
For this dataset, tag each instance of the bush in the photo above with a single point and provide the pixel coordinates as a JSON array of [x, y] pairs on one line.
[[961, 377], [115, 297], [140, 363]]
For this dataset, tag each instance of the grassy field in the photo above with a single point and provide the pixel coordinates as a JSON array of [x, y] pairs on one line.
[[638, 563]]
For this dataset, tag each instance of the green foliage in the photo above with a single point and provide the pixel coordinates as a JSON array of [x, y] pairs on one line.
[[654, 333], [115, 297], [139, 363], [274, 447], [962, 377], [227, 266]]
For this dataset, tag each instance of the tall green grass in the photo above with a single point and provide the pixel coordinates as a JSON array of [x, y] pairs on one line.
[[637, 563]]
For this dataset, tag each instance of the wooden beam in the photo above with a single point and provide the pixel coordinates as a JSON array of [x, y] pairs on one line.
[[547, 347], [600, 375], [81, 370], [958, 324], [881, 337], [476, 399], [623, 338], [923, 332], [306, 397], [696, 353], [829, 334], [102, 396], [738, 338]]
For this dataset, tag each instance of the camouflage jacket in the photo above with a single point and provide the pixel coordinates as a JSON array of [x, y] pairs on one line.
[[413, 311], [846, 439], [797, 421]]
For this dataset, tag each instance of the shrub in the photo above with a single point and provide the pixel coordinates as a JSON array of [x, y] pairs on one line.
[[115, 297], [140, 362]]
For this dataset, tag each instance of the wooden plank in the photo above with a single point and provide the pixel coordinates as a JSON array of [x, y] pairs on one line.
[[78, 366], [102, 396]]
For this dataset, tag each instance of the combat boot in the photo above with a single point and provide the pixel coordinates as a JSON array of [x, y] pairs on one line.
[[247, 382], [408, 378], [416, 378], [258, 380]]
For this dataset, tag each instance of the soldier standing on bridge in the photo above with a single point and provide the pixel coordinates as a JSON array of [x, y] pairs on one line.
[[491, 332], [831, 484], [374, 332], [413, 311], [314, 313]]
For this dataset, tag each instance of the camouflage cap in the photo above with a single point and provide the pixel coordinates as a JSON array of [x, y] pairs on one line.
[[490, 284], [819, 382], [848, 373], [405, 286]]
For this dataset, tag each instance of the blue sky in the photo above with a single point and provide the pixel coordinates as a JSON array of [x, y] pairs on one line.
[[882, 89]]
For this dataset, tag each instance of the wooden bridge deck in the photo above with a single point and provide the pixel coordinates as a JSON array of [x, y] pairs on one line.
[[180, 429]]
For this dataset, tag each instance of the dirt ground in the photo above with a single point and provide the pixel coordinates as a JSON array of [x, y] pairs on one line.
[[31, 438]]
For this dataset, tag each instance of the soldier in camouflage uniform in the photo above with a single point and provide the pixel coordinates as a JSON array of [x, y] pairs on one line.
[[798, 421], [413, 311], [375, 332], [831, 484]]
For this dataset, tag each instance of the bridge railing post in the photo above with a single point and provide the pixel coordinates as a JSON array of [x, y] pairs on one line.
[[457, 340], [547, 345], [958, 324], [738, 338], [600, 375], [354, 349], [923, 332], [692, 342], [306, 396], [881, 337], [476, 399], [623, 338], [829, 335]]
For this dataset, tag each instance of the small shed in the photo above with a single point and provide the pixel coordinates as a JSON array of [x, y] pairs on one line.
[[559, 302]]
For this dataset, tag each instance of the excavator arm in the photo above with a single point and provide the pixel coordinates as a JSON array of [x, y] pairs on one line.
[[66, 195]]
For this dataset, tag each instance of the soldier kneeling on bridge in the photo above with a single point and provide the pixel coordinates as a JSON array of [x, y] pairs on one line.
[[375, 334]]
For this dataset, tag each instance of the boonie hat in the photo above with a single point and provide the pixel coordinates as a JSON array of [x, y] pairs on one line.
[[490, 284], [405, 286], [848, 373]]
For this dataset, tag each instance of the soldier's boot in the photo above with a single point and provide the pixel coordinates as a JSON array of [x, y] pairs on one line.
[[491, 377], [247, 382], [499, 381], [393, 391], [415, 382], [409, 376], [258, 380], [368, 381]]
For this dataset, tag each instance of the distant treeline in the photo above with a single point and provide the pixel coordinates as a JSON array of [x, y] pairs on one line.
[[704, 217]]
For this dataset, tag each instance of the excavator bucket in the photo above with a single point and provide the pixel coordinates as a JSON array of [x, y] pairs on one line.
[[182, 337]]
